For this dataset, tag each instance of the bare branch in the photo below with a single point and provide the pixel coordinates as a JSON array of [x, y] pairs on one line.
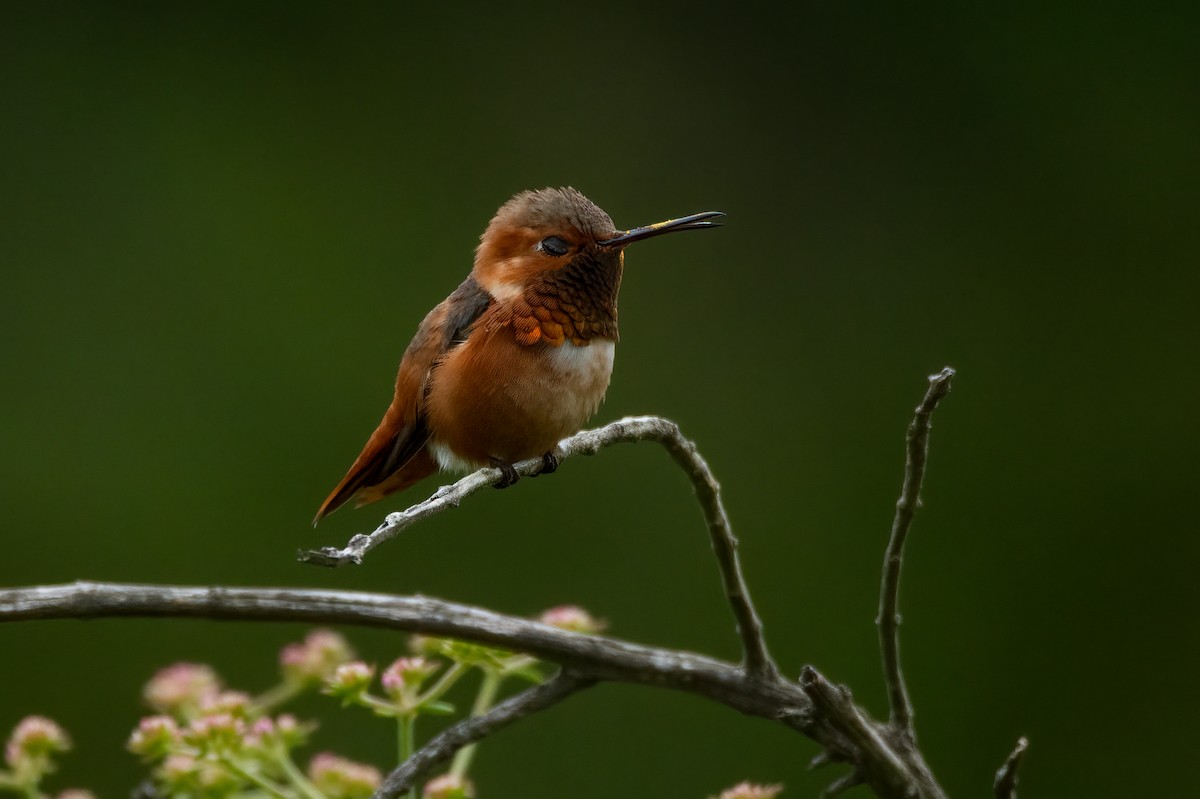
[[881, 755], [888, 769], [1005, 786], [588, 442], [595, 656], [442, 747], [888, 620], [833, 721]]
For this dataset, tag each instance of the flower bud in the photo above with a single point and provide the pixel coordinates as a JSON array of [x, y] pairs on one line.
[[314, 660], [260, 739], [181, 689], [290, 732], [350, 681], [449, 786], [339, 778], [404, 677], [573, 618], [154, 737], [218, 732], [178, 774], [749, 790], [235, 703], [185, 775]]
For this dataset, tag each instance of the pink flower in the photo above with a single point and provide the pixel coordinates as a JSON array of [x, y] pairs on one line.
[[177, 766], [339, 778], [350, 681], [181, 689], [315, 659], [290, 732], [749, 790], [448, 786], [184, 774], [404, 677], [154, 737], [218, 732], [573, 618], [32, 743], [235, 703]]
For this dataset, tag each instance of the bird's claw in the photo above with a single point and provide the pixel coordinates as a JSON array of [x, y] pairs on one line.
[[550, 462], [508, 474]]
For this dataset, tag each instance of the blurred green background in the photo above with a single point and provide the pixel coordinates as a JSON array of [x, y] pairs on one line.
[[220, 224]]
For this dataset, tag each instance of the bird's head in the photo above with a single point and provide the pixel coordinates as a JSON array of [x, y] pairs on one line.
[[541, 231]]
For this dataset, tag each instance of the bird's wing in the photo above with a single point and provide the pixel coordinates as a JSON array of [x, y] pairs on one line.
[[403, 433]]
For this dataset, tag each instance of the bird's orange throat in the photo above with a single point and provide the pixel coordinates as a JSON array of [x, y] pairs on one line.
[[576, 303]]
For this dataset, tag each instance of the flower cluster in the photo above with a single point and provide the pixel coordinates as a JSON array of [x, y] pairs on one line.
[[313, 661], [205, 741], [29, 756]]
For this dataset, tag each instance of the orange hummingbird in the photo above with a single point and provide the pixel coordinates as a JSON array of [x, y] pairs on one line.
[[517, 358]]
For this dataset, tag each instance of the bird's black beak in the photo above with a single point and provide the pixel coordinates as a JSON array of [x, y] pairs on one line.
[[693, 222]]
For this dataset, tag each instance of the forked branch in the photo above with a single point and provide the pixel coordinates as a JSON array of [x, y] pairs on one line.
[[882, 755]]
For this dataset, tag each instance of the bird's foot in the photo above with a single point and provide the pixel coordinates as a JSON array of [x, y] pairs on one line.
[[550, 463], [508, 475]]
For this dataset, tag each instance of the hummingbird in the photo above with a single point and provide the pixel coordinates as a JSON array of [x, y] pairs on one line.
[[517, 358]]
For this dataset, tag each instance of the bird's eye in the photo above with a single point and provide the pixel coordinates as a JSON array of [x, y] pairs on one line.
[[553, 245]]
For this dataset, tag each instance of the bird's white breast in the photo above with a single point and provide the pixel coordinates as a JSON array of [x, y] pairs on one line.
[[586, 364]]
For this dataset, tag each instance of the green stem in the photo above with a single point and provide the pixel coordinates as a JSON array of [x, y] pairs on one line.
[[444, 683], [483, 703], [272, 698], [375, 703], [261, 782], [519, 662], [297, 778], [9, 781], [406, 740]]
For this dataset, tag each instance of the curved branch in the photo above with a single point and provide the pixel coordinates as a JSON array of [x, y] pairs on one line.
[[588, 442], [443, 746], [888, 620]]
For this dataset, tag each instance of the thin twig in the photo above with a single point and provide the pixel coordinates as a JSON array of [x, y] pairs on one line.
[[888, 620], [1005, 786], [588, 442], [843, 783], [442, 747]]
